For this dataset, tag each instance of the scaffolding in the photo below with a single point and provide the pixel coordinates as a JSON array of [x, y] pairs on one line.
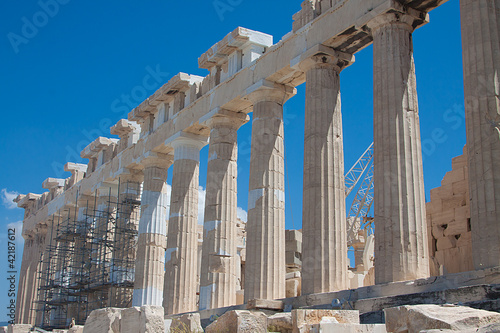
[[90, 261]]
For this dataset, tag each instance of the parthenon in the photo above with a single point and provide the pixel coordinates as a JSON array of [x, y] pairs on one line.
[[102, 238]]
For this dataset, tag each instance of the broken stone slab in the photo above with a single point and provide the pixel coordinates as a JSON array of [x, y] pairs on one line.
[[348, 328], [188, 322], [18, 328], [239, 321], [491, 328], [130, 320], [416, 318], [303, 319], [265, 304], [103, 321], [152, 319], [76, 329], [280, 322]]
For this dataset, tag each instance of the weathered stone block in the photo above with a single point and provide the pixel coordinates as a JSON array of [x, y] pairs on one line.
[[103, 321], [457, 227], [152, 319], [189, 322], [280, 322], [3, 329], [415, 318], [349, 328], [239, 321], [293, 235], [264, 304], [292, 288], [445, 243], [130, 320], [19, 328], [303, 319], [456, 200]]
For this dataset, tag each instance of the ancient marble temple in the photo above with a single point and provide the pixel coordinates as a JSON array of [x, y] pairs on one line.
[[102, 237]]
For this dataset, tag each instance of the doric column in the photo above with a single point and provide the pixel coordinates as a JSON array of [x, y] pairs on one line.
[[124, 250], [324, 252], [401, 251], [218, 278], [29, 282], [481, 57], [181, 269], [151, 244], [265, 265]]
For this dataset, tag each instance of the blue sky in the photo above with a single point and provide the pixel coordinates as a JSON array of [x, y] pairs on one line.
[[66, 80]]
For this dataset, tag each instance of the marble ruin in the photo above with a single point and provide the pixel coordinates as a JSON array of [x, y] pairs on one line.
[[101, 239]]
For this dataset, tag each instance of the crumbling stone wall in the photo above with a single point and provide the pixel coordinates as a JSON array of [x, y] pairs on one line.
[[448, 221]]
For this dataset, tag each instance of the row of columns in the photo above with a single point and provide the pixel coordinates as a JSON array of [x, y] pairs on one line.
[[401, 246], [166, 270]]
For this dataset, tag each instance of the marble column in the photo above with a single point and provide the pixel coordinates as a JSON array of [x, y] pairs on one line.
[[181, 268], [265, 265], [324, 252], [29, 275], [481, 58], [124, 253], [401, 251], [152, 240], [218, 278]]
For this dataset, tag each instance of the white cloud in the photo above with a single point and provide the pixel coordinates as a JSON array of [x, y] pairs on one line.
[[7, 198], [242, 214]]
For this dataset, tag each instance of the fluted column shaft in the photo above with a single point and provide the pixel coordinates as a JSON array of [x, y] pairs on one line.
[[29, 283], [152, 240], [265, 264], [401, 251], [324, 253], [481, 57], [218, 278], [181, 269]]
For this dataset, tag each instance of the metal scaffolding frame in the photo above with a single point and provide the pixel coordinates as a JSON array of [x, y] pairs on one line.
[[90, 261]]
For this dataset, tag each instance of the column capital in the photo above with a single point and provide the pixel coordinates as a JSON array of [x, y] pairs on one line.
[[183, 139], [268, 91], [130, 176], [156, 160], [321, 56], [226, 118], [410, 20]]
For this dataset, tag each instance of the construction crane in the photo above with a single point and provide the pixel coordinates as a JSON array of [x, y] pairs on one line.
[[357, 216]]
